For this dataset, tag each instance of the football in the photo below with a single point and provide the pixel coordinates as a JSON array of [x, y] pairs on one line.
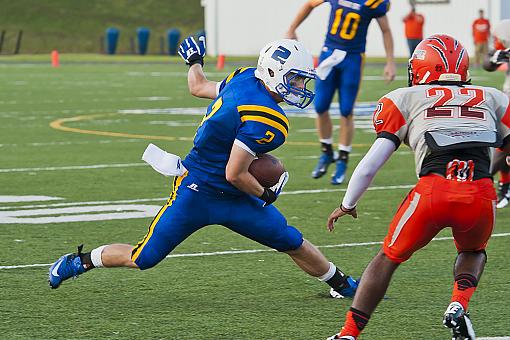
[[266, 169]]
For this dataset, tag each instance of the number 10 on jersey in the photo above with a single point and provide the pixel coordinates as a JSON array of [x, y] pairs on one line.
[[349, 24]]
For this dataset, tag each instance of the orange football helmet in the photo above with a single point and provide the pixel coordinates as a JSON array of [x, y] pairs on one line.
[[438, 58]]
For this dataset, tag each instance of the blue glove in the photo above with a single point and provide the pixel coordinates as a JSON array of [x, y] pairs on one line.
[[191, 51]]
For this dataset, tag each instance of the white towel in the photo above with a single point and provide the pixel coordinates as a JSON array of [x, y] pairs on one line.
[[327, 64], [163, 162]]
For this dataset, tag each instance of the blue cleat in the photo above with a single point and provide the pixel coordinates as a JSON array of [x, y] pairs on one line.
[[339, 175], [67, 266], [347, 291], [322, 167]]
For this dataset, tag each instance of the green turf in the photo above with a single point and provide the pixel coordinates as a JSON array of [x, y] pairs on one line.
[[255, 296]]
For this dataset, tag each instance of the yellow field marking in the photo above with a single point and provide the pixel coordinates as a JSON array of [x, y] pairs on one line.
[[59, 125]]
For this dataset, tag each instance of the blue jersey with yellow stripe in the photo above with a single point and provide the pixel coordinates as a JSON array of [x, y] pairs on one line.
[[243, 113], [349, 21]]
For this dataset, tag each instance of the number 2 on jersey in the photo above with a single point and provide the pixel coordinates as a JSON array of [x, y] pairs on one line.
[[215, 107], [349, 25]]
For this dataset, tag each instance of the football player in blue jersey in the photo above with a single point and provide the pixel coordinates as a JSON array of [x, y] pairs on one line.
[[243, 120], [340, 67]]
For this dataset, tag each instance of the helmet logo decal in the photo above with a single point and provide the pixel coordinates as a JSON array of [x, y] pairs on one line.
[[281, 54], [419, 54]]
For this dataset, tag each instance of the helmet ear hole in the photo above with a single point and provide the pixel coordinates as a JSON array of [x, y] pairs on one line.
[[271, 72]]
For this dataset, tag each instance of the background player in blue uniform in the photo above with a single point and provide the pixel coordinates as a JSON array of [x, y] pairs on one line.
[[243, 120], [340, 68]]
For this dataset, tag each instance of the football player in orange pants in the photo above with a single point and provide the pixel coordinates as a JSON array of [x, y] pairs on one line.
[[450, 125]]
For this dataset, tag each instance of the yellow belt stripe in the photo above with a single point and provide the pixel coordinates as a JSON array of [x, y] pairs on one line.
[[141, 244], [370, 3], [267, 121], [263, 109]]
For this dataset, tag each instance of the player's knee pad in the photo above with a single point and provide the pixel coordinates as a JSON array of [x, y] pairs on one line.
[[289, 239], [396, 256], [145, 262], [149, 256], [321, 105], [346, 110]]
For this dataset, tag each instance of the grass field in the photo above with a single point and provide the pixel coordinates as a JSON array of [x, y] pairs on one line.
[[236, 295]]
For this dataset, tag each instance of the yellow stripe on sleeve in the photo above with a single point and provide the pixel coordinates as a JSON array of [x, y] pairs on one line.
[[267, 121], [264, 109], [376, 4], [235, 73]]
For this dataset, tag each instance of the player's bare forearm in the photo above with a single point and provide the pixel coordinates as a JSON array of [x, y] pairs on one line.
[[302, 14], [390, 68], [245, 182], [237, 173], [199, 85]]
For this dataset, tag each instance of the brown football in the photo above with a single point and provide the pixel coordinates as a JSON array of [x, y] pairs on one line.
[[266, 169]]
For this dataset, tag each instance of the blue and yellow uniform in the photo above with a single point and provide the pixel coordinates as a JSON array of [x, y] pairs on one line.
[[347, 31], [245, 114]]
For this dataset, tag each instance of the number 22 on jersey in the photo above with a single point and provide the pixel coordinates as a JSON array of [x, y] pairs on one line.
[[440, 108]]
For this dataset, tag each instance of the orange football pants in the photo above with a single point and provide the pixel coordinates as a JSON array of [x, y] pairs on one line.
[[436, 203]]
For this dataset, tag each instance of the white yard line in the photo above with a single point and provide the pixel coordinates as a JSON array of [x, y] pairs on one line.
[[295, 192], [129, 165], [74, 167], [251, 251]]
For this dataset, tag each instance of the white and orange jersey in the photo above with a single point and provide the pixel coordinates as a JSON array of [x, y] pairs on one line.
[[467, 113]]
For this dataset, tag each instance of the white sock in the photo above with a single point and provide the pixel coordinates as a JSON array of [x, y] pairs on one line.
[[326, 140], [95, 256], [346, 148], [329, 274]]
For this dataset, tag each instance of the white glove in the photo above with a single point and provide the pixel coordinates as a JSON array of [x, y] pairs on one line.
[[271, 194], [278, 187], [500, 57]]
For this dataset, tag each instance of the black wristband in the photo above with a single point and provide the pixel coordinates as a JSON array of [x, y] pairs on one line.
[[345, 210], [268, 196], [195, 59]]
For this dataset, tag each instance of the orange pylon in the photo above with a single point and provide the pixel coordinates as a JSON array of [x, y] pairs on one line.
[[221, 62], [54, 59]]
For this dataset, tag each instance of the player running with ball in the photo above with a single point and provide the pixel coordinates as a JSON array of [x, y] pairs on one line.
[[243, 120]]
